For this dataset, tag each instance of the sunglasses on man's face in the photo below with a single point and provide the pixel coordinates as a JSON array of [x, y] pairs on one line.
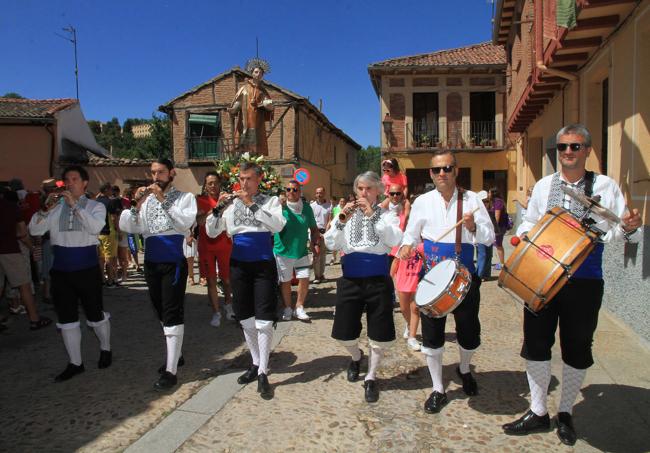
[[575, 147], [446, 169], [292, 189], [395, 194]]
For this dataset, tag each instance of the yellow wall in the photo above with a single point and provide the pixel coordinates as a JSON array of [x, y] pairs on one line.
[[625, 62], [25, 154]]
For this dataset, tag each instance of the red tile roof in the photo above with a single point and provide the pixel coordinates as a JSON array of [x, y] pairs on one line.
[[32, 108], [484, 53]]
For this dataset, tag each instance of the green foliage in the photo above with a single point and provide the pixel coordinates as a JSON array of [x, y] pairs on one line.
[[369, 158], [119, 140], [12, 95], [228, 169]]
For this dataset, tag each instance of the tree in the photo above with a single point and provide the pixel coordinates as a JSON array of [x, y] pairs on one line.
[[12, 95], [369, 158]]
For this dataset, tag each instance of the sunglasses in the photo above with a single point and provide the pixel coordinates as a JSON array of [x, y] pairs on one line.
[[394, 194], [446, 169], [388, 169], [291, 189], [575, 147]]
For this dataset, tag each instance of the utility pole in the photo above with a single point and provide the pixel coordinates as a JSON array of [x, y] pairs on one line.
[[72, 37]]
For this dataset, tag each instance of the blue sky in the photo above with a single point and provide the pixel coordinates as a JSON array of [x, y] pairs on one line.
[[136, 55]]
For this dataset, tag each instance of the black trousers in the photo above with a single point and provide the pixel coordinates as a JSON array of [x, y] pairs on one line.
[[353, 295], [468, 326], [70, 288], [167, 282], [254, 289], [575, 307]]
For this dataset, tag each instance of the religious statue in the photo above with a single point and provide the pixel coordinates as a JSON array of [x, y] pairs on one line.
[[251, 109]]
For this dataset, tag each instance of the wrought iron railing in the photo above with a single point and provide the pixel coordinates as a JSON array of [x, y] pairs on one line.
[[454, 134], [208, 148]]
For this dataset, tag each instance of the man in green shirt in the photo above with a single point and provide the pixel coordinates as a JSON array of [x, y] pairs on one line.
[[291, 251]]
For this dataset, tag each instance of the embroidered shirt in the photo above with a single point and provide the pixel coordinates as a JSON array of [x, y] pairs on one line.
[[375, 234], [175, 215], [78, 226], [604, 186], [264, 215]]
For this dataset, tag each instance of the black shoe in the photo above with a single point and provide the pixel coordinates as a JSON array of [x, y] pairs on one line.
[[527, 424], [163, 368], [249, 376], [105, 359], [372, 391], [263, 386], [435, 402], [353, 368], [565, 430], [469, 383], [165, 381], [70, 371]]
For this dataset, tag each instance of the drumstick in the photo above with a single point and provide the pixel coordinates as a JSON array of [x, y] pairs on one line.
[[452, 228]]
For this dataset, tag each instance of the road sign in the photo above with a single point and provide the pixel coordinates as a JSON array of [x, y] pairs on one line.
[[302, 176]]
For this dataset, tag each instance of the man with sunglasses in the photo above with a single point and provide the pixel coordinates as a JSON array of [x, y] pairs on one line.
[[432, 214], [291, 252], [577, 304]]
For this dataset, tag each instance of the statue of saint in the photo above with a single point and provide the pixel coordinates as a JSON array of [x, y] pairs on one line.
[[251, 109]]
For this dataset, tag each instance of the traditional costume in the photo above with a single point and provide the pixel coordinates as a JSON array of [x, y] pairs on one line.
[[365, 285], [430, 218], [164, 227], [253, 275], [76, 276]]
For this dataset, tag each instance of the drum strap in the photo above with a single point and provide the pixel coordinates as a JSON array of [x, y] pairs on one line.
[[459, 216], [589, 183]]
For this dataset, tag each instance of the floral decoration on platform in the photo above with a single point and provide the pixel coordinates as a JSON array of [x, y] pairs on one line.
[[228, 169]]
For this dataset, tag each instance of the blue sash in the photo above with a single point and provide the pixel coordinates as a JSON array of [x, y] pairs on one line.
[[592, 266], [439, 251], [164, 249], [69, 259], [257, 246], [360, 265]]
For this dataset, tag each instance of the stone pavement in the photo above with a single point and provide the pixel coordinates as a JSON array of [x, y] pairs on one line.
[[315, 408]]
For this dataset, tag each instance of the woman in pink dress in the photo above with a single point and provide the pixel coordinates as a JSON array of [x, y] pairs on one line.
[[406, 282], [393, 175]]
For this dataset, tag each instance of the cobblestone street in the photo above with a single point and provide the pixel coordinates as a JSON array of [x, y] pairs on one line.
[[314, 408]]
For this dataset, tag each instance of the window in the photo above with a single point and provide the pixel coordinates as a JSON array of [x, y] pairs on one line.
[[204, 135], [482, 110]]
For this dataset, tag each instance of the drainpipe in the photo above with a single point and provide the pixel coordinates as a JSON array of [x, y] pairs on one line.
[[52, 148]]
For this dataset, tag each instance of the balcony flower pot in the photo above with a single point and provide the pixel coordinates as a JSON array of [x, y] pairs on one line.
[[493, 143]]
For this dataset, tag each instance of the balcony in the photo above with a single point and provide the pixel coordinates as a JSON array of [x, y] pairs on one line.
[[208, 148], [472, 135]]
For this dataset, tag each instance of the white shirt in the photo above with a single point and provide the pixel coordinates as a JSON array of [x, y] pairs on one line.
[[92, 218], [429, 219], [174, 216], [611, 198], [321, 212], [376, 234], [238, 218]]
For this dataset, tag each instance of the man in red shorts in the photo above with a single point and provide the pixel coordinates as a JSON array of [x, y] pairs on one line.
[[215, 252]]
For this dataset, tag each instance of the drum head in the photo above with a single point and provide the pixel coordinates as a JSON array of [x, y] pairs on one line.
[[435, 282]]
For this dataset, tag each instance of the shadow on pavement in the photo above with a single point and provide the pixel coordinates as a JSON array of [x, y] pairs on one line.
[[329, 366], [113, 404], [614, 418]]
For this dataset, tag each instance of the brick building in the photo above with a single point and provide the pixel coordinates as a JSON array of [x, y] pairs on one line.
[[299, 135], [586, 61], [450, 99]]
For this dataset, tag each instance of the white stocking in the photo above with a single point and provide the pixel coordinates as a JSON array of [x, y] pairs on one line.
[[71, 333], [465, 358], [376, 354], [103, 331], [572, 379], [434, 362], [250, 334], [174, 339], [539, 377], [264, 339]]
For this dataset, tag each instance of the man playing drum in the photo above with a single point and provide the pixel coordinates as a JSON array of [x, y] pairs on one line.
[[432, 214], [365, 233], [576, 305]]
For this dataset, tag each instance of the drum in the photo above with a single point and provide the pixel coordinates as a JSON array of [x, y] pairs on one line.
[[544, 260], [443, 288]]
